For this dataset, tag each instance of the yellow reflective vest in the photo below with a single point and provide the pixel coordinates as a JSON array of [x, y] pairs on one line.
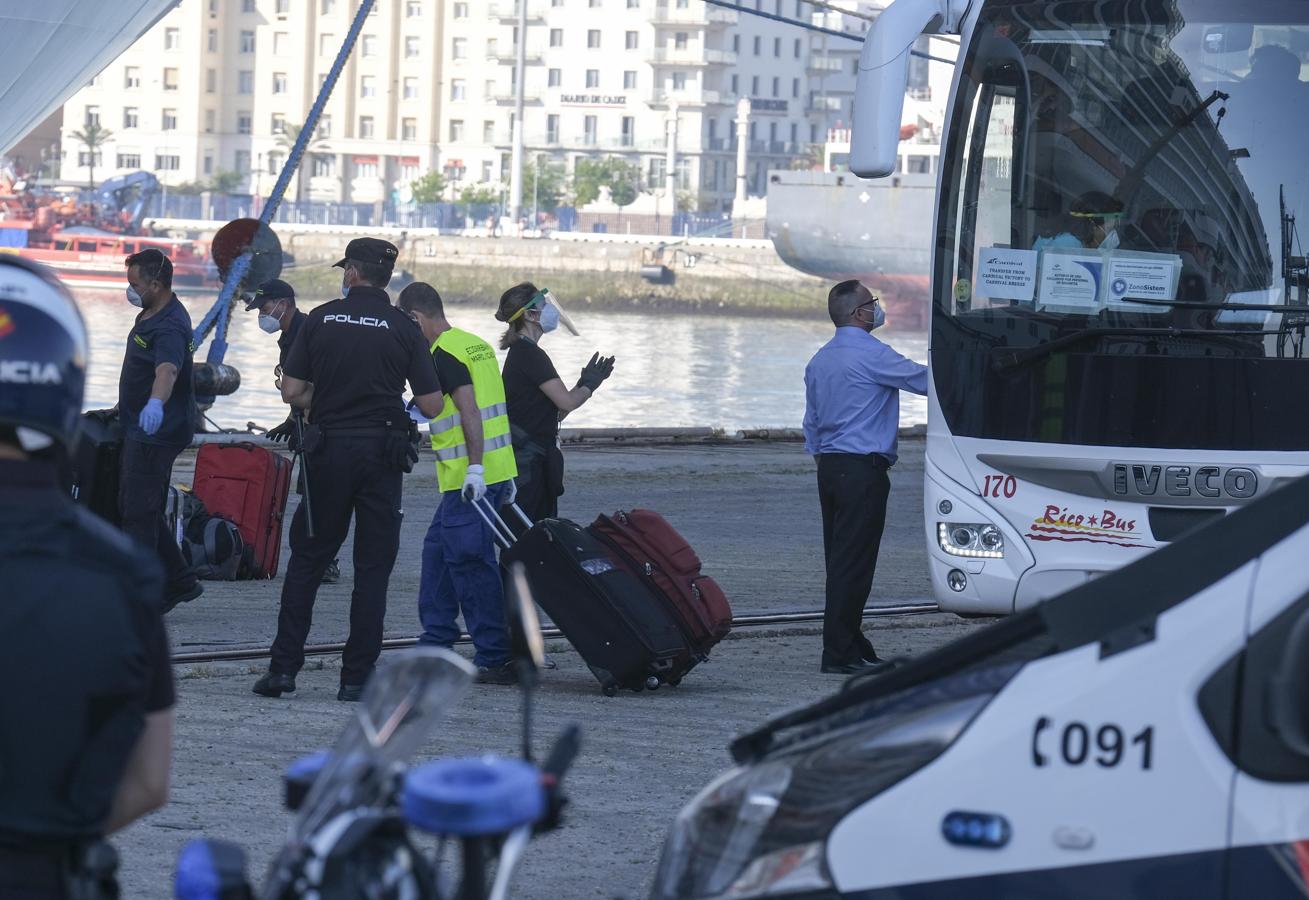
[[448, 428]]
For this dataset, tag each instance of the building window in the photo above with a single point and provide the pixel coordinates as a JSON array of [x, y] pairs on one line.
[[456, 130], [458, 89], [552, 129], [633, 4], [326, 44], [777, 46], [131, 77], [408, 171], [279, 43], [488, 131], [170, 79], [247, 42], [212, 40], [795, 87], [461, 11], [131, 117], [488, 87], [244, 123], [368, 45], [736, 43], [167, 162], [459, 48], [592, 78], [594, 4], [366, 169], [129, 160], [172, 38], [411, 88], [91, 117], [408, 129], [629, 80], [324, 126], [487, 166], [736, 86], [589, 130], [795, 132], [555, 77], [242, 160], [326, 7], [556, 37], [758, 42], [324, 166], [777, 86], [680, 40], [413, 9], [85, 158], [365, 126], [629, 131], [279, 82], [277, 124], [593, 39], [211, 81], [657, 170], [282, 7], [274, 163], [683, 4], [679, 81], [632, 40], [411, 47], [797, 48], [168, 121], [247, 6], [209, 121], [492, 47], [367, 86], [754, 85], [245, 82]]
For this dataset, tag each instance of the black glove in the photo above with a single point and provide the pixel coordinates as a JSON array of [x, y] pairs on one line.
[[596, 371], [281, 432]]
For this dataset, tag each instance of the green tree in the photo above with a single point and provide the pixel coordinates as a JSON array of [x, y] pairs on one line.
[[480, 195], [589, 175], [429, 188], [92, 137], [624, 181], [226, 181], [546, 189], [187, 187], [286, 140]]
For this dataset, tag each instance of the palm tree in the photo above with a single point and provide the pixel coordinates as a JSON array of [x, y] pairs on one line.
[[92, 137], [286, 140]]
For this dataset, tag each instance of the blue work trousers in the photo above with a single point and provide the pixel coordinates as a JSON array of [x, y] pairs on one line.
[[460, 572]]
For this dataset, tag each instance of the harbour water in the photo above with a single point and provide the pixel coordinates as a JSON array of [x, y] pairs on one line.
[[672, 370]]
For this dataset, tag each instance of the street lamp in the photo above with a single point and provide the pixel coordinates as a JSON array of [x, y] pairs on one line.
[[536, 182]]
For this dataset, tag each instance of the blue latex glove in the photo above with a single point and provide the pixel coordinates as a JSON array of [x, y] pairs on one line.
[[152, 416]]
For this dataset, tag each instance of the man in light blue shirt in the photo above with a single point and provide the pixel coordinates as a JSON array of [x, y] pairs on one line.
[[852, 417]]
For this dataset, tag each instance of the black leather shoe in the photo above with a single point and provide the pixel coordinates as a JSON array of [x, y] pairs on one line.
[[853, 667], [274, 684], [867, 653], [505, 674], [332, 574], [350, 693]]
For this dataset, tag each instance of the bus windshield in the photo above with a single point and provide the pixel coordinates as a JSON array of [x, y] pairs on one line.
[[1118, 261]]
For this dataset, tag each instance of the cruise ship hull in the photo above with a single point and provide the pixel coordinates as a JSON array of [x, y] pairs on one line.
[[837, 226]]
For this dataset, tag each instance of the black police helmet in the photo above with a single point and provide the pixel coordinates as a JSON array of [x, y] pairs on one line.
[[43, 350]]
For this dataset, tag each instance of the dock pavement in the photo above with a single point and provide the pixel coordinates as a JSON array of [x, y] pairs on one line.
[[751, 512]]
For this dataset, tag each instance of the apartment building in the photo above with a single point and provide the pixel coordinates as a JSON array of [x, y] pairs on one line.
[[220, 86]]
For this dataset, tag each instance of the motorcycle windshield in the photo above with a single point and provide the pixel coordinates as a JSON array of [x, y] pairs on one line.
[[402, 704]]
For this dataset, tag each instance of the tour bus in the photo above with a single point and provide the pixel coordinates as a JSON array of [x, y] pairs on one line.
[[1120, 294]]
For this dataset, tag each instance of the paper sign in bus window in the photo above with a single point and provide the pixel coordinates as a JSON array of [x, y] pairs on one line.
[[1141, 276], [1006, 274], [1070, 280]]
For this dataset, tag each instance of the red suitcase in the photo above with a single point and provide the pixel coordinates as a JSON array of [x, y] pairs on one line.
[[643, 542], [246, 484]]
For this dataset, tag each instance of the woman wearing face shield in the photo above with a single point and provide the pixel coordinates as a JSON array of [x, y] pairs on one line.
[[537, 398]]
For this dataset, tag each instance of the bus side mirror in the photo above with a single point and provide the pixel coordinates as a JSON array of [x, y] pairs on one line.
[[1288, 691], [882, 82]]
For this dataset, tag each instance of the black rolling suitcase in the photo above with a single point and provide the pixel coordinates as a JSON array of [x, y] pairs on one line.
[[625, 635], [96, 462]]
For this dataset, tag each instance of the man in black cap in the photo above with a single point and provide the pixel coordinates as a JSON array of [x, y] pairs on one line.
[[275, 300], [350, 363]]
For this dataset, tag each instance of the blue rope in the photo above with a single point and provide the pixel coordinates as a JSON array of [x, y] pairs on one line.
[[221, 312]]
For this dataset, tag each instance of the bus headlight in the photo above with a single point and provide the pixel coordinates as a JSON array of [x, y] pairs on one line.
[[978, 541]]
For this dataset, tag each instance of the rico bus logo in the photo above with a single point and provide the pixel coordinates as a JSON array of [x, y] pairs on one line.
[[1211, 482]]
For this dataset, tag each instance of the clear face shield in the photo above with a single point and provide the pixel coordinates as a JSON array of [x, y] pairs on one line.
[[544, 296]]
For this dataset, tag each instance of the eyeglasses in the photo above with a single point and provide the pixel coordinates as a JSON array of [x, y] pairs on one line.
[[873, 302]]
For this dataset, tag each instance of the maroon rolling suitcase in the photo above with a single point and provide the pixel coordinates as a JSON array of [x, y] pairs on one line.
[[248, 485], [642, 541]]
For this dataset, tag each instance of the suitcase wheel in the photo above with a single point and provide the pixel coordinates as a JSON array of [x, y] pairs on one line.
[[610, 690], [652, 683]]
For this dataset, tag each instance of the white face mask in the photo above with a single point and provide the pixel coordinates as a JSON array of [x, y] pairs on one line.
[[133, 297], [879, 317], [549, 317], [269, 324]]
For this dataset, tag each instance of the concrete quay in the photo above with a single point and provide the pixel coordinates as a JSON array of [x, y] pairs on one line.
[[751, 512]]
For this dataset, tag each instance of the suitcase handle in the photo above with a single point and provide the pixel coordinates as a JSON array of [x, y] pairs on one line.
[[504, 536]]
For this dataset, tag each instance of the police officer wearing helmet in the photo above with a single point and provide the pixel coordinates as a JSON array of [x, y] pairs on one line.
[[350, 363], [474, 464], [86, 726], [275, 300]]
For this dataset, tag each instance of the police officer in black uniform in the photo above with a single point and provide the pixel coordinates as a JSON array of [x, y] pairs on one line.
[[350, 362], [86, 722]]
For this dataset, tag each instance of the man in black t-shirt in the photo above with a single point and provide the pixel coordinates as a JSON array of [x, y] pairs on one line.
[[350, 363], [86, 722], [156, 405]]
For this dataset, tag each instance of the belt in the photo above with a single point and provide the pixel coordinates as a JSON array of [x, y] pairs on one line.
[[877, 459], [370, 431]]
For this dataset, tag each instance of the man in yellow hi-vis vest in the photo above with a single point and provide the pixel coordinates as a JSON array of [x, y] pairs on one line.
[[474, 460]]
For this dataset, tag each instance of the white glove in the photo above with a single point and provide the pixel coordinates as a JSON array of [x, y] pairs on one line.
[[511, 492], [474, 484]]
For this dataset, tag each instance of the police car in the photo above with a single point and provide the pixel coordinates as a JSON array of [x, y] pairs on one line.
[[1143, 736]]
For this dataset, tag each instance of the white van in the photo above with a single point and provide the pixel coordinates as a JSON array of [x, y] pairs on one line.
[[1145, 735]]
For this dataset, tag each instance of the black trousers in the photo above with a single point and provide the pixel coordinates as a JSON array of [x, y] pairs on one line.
[[142, 493], [346, 476], [536, 495], [852, 491]]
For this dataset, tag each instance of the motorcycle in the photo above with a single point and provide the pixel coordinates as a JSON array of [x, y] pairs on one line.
[[357, 807]]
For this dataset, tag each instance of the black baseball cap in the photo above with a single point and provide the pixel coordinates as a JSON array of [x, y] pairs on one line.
[[370, 250], [272, 289]]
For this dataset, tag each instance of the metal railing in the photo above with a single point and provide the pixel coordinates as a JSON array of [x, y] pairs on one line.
[[691, 57]]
